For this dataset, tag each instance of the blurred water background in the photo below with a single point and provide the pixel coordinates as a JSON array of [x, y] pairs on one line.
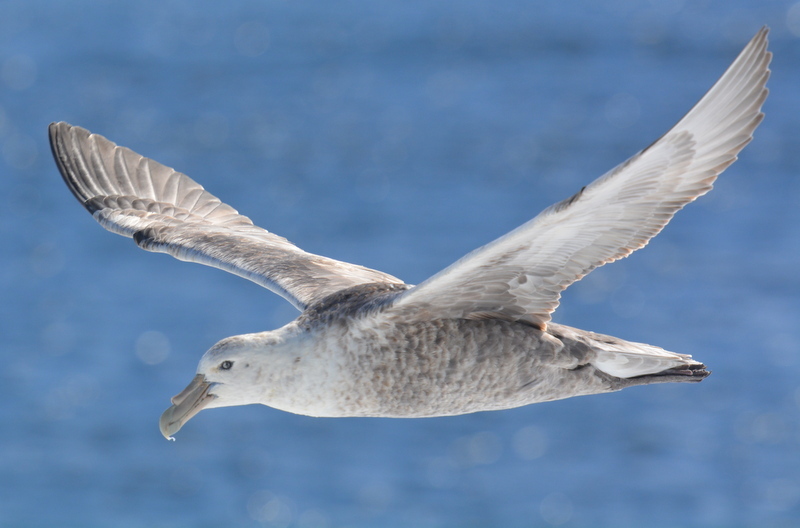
[[397, 135]]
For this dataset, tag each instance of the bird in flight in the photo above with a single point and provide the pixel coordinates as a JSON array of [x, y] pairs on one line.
[[477, 335]]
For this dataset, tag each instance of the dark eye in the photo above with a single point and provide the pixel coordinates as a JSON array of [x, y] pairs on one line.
[[226, 365]]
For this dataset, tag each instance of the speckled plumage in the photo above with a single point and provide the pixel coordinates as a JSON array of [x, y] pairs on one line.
[[477, 335], [447, 367], [387, 367]]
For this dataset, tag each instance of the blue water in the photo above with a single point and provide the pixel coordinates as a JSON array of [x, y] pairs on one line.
[[397, 135]]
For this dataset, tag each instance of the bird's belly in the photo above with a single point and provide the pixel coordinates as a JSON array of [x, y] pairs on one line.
[[452, 367]]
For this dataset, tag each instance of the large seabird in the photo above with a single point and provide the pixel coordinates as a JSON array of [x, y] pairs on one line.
[[476, 336]]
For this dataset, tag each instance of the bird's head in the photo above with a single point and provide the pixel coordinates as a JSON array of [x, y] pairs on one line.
[[235, 371]]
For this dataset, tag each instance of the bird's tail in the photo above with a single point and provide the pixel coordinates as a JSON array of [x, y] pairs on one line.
[[626, 359]]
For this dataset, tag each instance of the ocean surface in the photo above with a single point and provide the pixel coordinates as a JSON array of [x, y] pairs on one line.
[[398, 135]]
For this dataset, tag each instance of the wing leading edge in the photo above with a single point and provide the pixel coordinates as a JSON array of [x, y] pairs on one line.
[[520, 276]]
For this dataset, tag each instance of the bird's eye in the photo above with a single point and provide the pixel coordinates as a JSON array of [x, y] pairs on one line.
[[226, 365]]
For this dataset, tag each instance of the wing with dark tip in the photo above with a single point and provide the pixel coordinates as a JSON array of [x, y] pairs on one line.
[[168, 212], [521, 275]]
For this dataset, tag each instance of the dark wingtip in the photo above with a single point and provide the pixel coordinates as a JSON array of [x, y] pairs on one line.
[[53, 132], [57, 133], [64, 144]]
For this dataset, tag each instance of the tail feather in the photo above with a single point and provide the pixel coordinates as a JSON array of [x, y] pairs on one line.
[[626, 359], [638, 363]]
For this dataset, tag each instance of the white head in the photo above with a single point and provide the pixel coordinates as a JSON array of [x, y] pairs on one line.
[[239, 370]]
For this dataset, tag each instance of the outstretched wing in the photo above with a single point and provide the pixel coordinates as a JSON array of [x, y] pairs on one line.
[[520, 276], [168, 212]]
